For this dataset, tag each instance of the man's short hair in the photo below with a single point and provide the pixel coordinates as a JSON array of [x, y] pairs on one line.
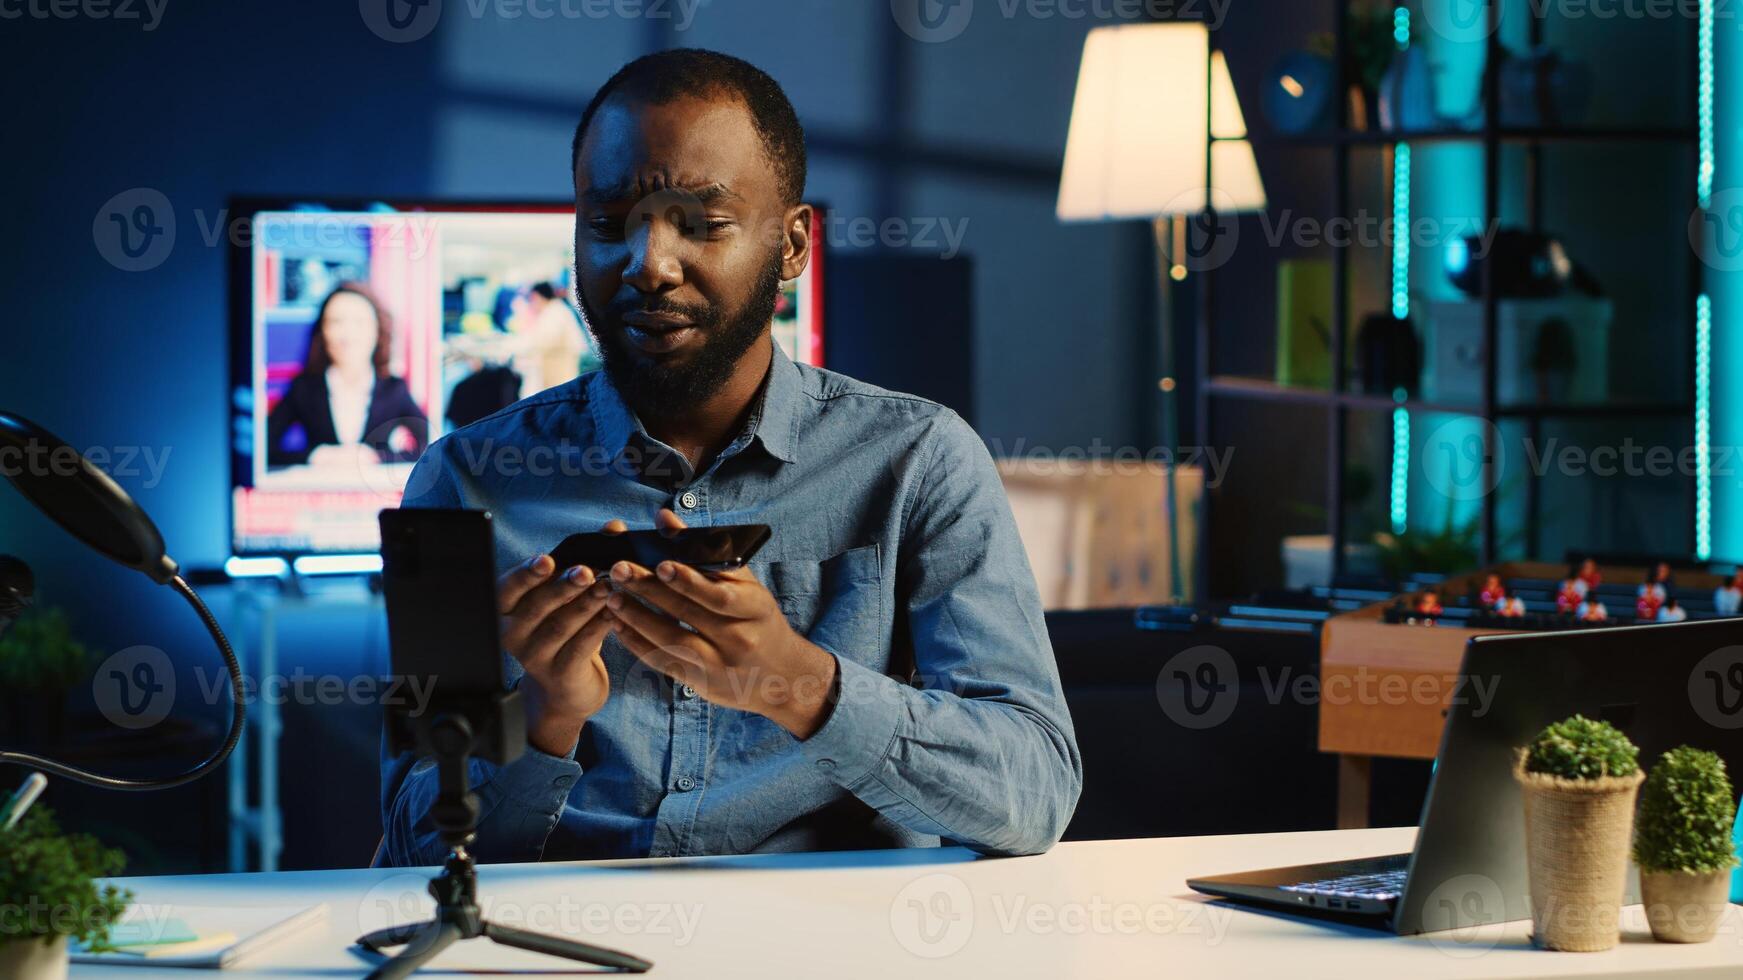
[[666, 76]]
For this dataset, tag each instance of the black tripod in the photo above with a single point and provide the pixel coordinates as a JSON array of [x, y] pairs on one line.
[[451, 737]]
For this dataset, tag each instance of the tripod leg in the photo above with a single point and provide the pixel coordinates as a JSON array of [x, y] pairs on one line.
[[566, 949], [434, 938], [382, 939]]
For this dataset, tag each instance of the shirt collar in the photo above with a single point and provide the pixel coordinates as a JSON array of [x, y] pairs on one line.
[[775, 423]]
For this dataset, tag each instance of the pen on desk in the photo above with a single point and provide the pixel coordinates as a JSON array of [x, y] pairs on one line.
[[22, 800]]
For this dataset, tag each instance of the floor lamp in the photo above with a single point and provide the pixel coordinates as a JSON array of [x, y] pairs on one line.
[[1157, 133]]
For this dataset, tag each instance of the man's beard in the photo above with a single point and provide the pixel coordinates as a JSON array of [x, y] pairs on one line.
[[652, 388]]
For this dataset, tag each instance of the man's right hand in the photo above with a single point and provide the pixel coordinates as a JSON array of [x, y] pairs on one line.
[[553, 624]]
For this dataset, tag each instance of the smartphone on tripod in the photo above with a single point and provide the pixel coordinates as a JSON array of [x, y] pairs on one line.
[[438, 573]]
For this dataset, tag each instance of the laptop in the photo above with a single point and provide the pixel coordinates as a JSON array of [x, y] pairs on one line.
[[1663, 685]]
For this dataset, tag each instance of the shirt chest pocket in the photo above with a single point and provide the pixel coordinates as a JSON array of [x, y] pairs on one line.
[[836, 603]]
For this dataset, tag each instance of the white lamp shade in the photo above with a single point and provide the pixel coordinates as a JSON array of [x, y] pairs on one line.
[[1139, 128], [1226, 121]]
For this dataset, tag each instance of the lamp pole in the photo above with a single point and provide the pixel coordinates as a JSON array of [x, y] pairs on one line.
[[1170, 234]]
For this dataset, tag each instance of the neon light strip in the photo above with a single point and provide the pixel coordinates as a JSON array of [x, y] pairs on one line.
[[1401, 231], [237, 567], [1704, 178], [1400, 470], [1703, 428], [1400, 510], [337, 564], [1704, 303]]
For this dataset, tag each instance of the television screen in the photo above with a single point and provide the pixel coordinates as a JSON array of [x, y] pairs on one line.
[[363, 332]]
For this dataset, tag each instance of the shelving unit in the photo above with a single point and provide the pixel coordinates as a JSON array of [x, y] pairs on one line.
[[1338, 400]]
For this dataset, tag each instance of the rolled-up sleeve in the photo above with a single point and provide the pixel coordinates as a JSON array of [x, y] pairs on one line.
[[519, 806], [979, 747]]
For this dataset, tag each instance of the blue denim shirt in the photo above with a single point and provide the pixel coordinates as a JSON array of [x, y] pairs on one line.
[[894, 549]]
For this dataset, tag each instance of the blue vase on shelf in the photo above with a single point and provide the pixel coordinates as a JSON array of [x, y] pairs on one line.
[[1300, 94], [1542, 88], [1407, 95]]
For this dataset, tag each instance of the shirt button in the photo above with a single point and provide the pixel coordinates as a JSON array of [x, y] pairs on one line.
[[826, 764], [687, 692], [685, 784], [689, 500]]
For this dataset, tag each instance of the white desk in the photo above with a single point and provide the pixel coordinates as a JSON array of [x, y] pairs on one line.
[[1097, 909]]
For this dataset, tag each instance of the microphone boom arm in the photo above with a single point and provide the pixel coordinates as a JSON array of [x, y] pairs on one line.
[[238, 713]]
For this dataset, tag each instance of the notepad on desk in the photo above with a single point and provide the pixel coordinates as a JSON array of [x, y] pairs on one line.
[[192, 936]]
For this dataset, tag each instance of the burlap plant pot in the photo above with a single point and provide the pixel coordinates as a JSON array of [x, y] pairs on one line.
[[1685, 906], [1577, 835]]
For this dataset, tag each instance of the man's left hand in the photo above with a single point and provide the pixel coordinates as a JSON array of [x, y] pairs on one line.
[[739, 651]]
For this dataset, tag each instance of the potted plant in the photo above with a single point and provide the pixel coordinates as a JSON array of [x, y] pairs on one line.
[[1682, 842], [40, 662], [1370, 41], [48, 881], [1580, 778]]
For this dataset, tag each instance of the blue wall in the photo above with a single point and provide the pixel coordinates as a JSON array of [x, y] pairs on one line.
[[267, 98], [1726, 288], [270, 98]]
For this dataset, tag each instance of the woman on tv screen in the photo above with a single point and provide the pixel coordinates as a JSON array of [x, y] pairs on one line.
[[345, 406]]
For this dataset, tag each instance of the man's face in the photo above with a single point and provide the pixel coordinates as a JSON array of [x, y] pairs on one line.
[[679, 245]]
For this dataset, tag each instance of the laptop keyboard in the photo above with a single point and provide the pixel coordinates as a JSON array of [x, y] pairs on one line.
[[1379, 886]]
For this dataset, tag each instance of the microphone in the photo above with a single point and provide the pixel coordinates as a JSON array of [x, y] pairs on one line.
[[17, 590], [93, 508]]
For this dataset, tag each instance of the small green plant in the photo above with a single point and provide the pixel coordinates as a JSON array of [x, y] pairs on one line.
[[1580, 748], [1686, 811], [1369, 43], [39, 654], [48, 882]]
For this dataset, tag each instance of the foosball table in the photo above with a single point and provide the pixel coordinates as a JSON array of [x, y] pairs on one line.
[[1387, 673]]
